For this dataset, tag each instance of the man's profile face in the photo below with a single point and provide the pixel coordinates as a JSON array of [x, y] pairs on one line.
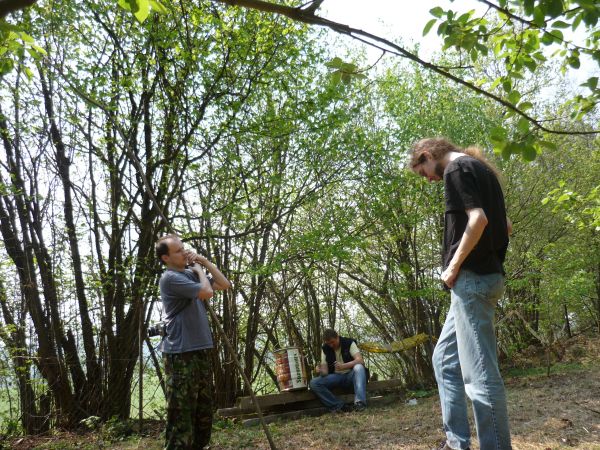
[[430, 168], [334, 343], [176, 257]]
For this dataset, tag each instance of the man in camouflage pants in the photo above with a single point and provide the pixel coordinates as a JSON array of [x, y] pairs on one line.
[[187, 342], [189, 422]]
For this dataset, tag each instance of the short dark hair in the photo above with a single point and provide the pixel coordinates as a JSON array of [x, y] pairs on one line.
[[162, 246], [329, 333]]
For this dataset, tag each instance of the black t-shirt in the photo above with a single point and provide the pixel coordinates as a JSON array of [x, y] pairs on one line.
[[468, 183]]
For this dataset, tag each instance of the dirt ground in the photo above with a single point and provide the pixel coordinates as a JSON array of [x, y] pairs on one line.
[[560, 411]]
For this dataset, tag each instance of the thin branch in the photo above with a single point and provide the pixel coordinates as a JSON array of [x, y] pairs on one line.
[[531, 24]]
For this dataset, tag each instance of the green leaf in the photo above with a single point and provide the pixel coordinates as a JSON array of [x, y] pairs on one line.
[[6, 65], [335, 63], [529, 153], [26, 38], [530, 64], [509, 149], [514, 97], [129, 5], [496, 83], [517, 75], [539, 16], [463, 18], [577, 21], [555, 8], [482, 48], [528, 6], [549, 145], [474, 55], [547, 39], [143, 10], [591, 83], [524, 106], [560, 24], [39, 50], [573, 61], [563, 198], [158, 7], [436, 12], [557, 36], [428, 26], [336, 77], [498, 134], [523, 125]]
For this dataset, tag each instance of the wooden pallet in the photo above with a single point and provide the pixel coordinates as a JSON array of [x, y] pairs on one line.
[[293, 404]]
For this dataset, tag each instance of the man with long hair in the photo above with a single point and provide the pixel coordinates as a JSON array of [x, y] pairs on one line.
[[476, 233]]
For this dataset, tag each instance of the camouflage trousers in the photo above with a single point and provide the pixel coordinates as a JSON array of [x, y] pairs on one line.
[[189, 400]]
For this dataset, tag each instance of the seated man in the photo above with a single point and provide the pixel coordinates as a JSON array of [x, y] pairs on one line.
[[341, 366]]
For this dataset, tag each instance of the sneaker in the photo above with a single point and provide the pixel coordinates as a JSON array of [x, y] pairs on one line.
[[445, 446], [360, 406]]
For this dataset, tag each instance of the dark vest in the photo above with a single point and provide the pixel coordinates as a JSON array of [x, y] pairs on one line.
[[345, 344]]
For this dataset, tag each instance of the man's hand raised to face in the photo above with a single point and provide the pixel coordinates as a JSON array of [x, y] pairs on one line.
[[193, 257]]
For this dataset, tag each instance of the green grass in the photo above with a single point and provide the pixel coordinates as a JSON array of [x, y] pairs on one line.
[[154, 399], [556, 368]]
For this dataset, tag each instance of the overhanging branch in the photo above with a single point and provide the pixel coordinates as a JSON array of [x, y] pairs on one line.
[[308, 17]]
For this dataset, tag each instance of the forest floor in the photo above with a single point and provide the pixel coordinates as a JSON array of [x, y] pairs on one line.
[[559, 411]]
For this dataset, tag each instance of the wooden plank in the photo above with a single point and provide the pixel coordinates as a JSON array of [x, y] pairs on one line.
[[280, 398], [284, 398], [318, 411], [276, 409], [290, 415], [229, 412]]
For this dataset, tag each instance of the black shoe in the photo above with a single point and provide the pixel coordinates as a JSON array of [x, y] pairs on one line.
[[360, 406], [342, 409]]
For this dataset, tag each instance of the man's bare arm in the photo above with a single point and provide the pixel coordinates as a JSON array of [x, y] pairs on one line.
[[206, 290], [476, 224], [220, 282]]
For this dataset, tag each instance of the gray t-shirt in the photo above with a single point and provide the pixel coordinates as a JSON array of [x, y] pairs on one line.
[[188, 329]]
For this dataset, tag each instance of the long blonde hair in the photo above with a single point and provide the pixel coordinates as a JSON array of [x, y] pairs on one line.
[[439, 147]]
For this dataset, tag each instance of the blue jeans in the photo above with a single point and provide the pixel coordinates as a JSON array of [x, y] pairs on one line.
[[356, 378], [465, 361]]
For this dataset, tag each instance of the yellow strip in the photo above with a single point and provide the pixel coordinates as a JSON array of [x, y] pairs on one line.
[[397, 346]]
